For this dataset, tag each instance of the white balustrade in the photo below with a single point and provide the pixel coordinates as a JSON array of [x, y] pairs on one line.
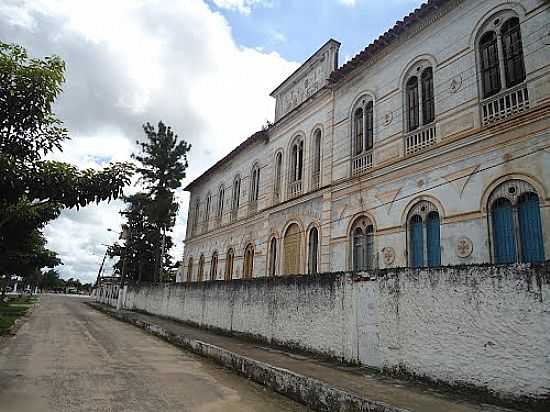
[[360, 164], [504, 105], [420, 139]]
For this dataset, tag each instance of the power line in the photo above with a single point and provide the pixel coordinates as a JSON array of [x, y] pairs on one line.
[[411, 195], [398, 112]]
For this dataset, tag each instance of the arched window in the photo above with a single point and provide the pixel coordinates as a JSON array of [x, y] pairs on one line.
[[516, 225], [236, 198], [229, 262], [316, 160], [501, 55], [362, 244], [190, 270], [248, 269], [292, 247], [278, 174], [296, 167], [221, 199], [358, 129], [428, 105], [363, 127], [273, 257], [207, 211], [424, 235], [196, 216], [254, 186], [313, 251], [200, 274], [214, 266], [413, 118], [512, 49], [490, 71]]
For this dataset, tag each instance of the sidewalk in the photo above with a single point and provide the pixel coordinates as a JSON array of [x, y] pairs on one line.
[[322, 386]]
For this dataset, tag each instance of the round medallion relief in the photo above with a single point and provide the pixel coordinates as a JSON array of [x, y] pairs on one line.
[[464, 247], [389, 256]]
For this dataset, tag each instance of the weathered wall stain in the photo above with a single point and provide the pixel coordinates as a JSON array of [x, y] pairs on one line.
[[481, 326]]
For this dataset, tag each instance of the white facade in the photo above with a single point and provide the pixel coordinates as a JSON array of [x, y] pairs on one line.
[[454, 163]]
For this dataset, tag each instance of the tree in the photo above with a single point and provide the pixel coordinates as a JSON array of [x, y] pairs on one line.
[[162, 166], [33, 189]]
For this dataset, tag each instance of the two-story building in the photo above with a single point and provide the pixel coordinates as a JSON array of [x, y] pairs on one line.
[[430, 147]]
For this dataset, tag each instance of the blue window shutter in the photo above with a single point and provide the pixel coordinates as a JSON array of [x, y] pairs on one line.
[[416, 242], [504, 238], [532, 247], [433, 240]]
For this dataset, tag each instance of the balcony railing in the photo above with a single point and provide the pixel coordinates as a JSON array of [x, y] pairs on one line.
[[420, 139], [295, 189], [361, 163], [315, 180], [504, 105]]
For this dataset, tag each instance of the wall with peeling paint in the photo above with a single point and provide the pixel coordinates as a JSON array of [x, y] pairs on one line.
[[484, 326]]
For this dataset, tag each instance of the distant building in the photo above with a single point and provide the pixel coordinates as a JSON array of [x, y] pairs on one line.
[[430, 147]]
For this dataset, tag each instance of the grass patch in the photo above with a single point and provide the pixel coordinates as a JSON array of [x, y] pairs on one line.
[[15, 308]]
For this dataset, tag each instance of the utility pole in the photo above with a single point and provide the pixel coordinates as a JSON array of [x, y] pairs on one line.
[[101, 267]]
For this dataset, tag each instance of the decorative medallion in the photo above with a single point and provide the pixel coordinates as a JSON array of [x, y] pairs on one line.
[[456, 84], [388, 118], [464, 247], [389, 256]]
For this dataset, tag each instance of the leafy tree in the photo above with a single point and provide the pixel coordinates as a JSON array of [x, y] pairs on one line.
[[33, 189], [162, 166], [51, 280]]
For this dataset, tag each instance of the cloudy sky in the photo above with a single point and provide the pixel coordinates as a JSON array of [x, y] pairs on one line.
[[205, 67]]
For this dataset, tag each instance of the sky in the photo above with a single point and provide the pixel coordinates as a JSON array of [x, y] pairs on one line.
[[204, 67]]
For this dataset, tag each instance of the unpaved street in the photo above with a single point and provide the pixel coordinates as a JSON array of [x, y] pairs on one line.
[[68, 357]]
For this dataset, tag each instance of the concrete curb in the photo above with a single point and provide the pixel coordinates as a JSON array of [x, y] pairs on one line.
[[313, 393]]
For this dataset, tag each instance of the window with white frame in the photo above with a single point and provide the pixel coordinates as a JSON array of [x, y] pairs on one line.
[[207, 210], [277, 177], [420, 105], [254, 186], [362, 244], [221, 199], [424, 235], [362, 135], [196, 216], [236, 197], [501, 68], [296, 171], [316, 160]]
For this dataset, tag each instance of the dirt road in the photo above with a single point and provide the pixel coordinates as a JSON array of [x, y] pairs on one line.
[[68, 357]]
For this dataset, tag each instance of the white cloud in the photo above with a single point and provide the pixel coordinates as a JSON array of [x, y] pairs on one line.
[[133, 61], [350, 3], [242, 6]]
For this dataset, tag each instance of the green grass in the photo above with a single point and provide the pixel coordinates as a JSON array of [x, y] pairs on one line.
[[15, 308]]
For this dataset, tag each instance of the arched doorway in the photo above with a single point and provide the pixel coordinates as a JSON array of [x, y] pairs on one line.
[[292, 247]]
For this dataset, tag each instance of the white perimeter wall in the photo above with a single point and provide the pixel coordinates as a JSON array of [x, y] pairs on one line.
[[476, 325]]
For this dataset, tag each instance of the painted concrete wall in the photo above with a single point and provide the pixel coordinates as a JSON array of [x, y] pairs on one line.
[[472, 325]]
